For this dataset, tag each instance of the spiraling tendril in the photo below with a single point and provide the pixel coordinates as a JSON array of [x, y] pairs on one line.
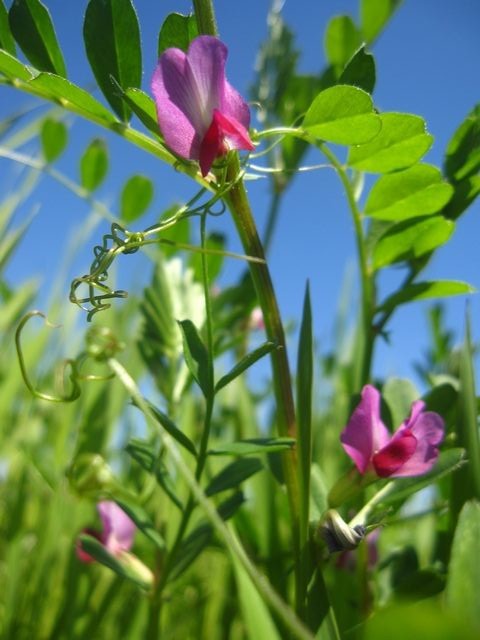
[[101, 344], [68, 363], [120, 240]]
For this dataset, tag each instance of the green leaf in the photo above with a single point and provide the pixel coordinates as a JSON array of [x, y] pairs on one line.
[[201, 537], [54, 138], [71, 97], [462, 157], [245, 363], [142, 521], [417, 191], [13, 68], [399, 394], [374, 14], [403, 488], [6, 39], [411, 239], [147, 457], [143, 107], [341, 40], [94, 165], [93, 547], [177, 31], [112, 41], [255, 614], [402, 141], [344, 115], [466, 485], [33, 29], [171, 428], [464, 194], [304, 389], [360, 71], [424, 291], [196, 356], [253, 446], [463, 581], [233, 475], [137, 194]]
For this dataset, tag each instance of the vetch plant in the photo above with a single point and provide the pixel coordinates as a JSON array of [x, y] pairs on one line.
[[236, 486]]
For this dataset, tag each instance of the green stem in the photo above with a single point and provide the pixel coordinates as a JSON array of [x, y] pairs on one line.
[[367, 289], [278, 606], [271, 220], [205, 16], [239, 206]]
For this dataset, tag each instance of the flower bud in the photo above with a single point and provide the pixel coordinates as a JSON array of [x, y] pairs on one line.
[[102, 344], [89, 475], [338, 535]]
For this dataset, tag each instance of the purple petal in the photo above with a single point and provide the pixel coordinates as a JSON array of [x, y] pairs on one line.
[[428, 429], [187, 88], [234, 106], [118, 529], [365, 433]]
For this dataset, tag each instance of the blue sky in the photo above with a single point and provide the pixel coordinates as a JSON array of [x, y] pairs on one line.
[[427, 63]]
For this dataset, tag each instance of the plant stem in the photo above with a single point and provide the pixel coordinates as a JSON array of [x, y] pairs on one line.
[[205, 16]]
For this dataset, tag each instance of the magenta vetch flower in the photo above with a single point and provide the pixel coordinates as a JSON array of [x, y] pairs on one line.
[[117, 534], [411, 451], [201, 116]]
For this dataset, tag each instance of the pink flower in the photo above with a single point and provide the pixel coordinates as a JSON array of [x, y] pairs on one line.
[[117, 533], [200, 114], [411, 451]]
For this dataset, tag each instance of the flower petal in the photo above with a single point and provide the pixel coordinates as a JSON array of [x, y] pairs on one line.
[[232, 105], [395, 455], [365, 432], [428, 428], [175, 100], [211, 147], [233, 132], [118, 529]]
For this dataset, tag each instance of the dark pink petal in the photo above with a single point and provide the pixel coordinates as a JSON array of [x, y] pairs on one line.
[[118, 529], [395, 454], [211, 147], [233, 132], [223, 134], [365, 433], [428, 429]]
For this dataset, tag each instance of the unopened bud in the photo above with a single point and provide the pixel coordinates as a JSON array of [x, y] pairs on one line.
[[90, 475], [338, 535], [136, 570], [102, 344]]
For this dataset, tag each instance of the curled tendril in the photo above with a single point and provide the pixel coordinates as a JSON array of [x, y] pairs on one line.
[[73, 376], [98, 294], [101, 345]]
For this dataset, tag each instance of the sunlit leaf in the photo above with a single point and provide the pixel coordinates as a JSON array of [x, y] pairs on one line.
[[411, 239], [137, 194], [94, 165], [143, 521], [465, 192], [6, 39], [341, 40], [54, 138], [72, 97], [143, 107], [112, 41], [215, 242], [344, 115], [424, 291], [374, 14], [13, 68], [417, 191], [360, 71], [33, 29], [177, 31], [171, 428], [402, 141]]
